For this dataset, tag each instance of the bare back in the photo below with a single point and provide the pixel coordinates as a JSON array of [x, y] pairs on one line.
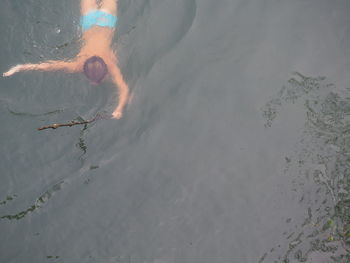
[[97, 40]]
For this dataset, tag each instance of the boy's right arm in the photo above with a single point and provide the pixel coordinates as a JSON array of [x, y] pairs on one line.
[[51, 65]]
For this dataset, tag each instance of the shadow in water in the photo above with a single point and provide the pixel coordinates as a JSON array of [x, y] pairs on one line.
[[320, 168]]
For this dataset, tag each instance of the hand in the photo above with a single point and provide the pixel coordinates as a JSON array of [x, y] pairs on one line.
[[13, 70], [117, 114]]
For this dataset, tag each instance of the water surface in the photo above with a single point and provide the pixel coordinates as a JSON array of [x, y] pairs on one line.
[[235, 147]]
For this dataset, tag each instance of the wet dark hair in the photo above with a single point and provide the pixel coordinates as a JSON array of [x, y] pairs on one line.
[[95, 69]]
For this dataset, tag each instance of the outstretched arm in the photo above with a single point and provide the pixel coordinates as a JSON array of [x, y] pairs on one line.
[[122, 89], [51, 65]]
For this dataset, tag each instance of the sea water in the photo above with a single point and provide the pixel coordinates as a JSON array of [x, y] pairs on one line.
[[234, 147]]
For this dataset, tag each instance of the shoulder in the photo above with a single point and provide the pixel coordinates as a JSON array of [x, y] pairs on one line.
[[110, 61], [77, 64]]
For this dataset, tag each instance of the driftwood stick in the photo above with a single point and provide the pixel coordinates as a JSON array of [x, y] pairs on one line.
[[73, 123]]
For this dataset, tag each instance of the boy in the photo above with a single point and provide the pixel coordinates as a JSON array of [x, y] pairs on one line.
[[96, 58]]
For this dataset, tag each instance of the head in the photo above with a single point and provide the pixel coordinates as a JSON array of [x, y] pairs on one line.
[[95, 69]]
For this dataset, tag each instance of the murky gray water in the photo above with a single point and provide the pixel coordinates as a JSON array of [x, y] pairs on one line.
[[235, 147]]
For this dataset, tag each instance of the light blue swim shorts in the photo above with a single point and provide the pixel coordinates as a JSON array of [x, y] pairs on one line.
[[97, 18]]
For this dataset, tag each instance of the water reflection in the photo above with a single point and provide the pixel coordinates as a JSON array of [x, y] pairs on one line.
[[321, 169]]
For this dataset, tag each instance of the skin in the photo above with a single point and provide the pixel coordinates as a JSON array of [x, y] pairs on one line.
[[96, 42]]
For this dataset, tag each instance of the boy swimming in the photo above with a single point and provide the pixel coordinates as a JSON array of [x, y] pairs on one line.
[[96, 59]]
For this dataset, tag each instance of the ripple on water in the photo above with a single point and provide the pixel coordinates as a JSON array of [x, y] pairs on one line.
[[160, 30], [38, 203]]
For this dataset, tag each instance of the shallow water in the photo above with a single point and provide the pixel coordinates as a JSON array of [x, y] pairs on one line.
[[235, 147]]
